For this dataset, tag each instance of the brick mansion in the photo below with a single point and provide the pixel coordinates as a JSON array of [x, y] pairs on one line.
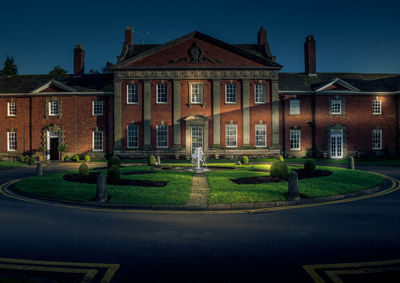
[[198, 91]]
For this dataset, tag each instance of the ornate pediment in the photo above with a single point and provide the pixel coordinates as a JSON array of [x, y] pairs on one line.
[[196, 117], [195, 56]]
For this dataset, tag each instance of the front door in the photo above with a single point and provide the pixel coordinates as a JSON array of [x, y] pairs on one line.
[[197, 137], [54, 149], [336, 143]]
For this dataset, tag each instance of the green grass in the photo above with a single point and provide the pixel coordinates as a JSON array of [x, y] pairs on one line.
[[11, 164], [342, 181], [177, 191]]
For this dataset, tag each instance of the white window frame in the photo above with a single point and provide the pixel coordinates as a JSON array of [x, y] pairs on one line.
[[132, 94], [295, 135], [232, 88], [97, 108], [376, 139], [260, 89], [161, 91], [200, 89], [264, 129], [334, 102], [51, 113], [10, 146], [227, 137], [93, 140], [158, 140], [376, 107], [128, 137], [294, 109], [12, 109]]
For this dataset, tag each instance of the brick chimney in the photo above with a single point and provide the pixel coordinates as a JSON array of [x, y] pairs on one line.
[[79, 60], [309, 56], [262, 36], [128, 36]]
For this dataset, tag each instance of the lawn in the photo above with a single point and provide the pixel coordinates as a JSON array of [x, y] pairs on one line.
[[11, 164]]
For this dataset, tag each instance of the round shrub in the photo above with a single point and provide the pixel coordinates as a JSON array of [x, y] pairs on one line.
[[114, 160], [87, 158], [21, 158], [245, 160], [278, 169], [31, 161], [75, 157], [83, 170], [113, 174], [281, 158], [152, 160], [309, 166], [67, 158]]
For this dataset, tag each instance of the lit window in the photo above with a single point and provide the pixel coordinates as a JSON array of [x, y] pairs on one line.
[[97, 141], [11, 141], [261, 135], [162, 136], [231, 135], [133, 136], [196, 93], [259, 93], [376, 106], [132, 94], [295, 139], [162, 93], [230, 93], [294, 106], [336, 106], [97, 108], [53, 108], [12, 109], [376, 139]]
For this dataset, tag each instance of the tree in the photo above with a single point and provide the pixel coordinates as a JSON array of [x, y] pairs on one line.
[[58, 71], [107, 69], [10, 69]]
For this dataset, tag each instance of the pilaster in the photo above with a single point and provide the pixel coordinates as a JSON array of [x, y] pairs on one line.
[[117, 115], [246, 113], [147, 113], [177, 113], [275, 113], [216, 112]]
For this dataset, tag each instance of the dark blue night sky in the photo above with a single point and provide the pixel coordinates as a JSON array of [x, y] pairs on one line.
[[351, 36]]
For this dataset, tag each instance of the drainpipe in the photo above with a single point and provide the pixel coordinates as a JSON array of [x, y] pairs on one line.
[[282, 98]]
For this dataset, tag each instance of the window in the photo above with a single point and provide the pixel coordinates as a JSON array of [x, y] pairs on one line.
[[12, 109], [53, 108], [162, 93], [295, 139], [231, 135], [294, 106], [196, 93], [11, 141], [376, 106], [162, 136], [259, 93], [133, 136], [336, 106], [97, 108], [132, 94], [97, 141], [230, 93], [261, 135], [376, 139]]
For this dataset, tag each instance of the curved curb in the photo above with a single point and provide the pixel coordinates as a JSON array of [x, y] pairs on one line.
[[233, 208]]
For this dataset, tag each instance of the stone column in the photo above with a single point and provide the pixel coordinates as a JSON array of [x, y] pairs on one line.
[[117, 115], [147, 113], [216, 112], [101, 190], [275, 113], [177, 113], [246, 113], [293, 186]]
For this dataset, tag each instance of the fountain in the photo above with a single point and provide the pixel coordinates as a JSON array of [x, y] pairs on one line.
[[198, 160]]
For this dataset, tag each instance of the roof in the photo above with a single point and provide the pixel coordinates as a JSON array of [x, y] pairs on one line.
[[82, 83], [363, 82]]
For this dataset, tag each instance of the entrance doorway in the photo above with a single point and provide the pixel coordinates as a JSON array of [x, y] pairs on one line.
[[197, 137], [336, 143], [54, 154]]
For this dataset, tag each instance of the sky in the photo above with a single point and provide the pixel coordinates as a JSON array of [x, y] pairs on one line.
[[351, 36]]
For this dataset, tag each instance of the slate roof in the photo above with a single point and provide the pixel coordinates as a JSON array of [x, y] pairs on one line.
[[84, 83]]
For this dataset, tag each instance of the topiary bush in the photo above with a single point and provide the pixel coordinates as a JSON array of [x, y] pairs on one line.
[[113, 174], [67, 158], [278, 169], [245, 160], [87, 158], [309, 167], [75, 157], [152, 160], [281, 158], [114, 160], [31, 161], [83, 170]]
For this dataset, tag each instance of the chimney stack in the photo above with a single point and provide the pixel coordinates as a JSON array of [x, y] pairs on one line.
[[309, 56], [262, 36], [128, 36], [79, 60]]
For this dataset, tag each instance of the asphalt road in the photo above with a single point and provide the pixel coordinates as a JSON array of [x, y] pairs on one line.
[[265, 247]]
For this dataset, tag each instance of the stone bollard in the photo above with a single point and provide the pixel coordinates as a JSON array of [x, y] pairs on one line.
[[101, 192], [351, 163], [158, 160], [293, 187], [39, 169]]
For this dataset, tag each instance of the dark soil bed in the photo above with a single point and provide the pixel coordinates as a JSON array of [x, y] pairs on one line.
[[92, 179], [267, 179]]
